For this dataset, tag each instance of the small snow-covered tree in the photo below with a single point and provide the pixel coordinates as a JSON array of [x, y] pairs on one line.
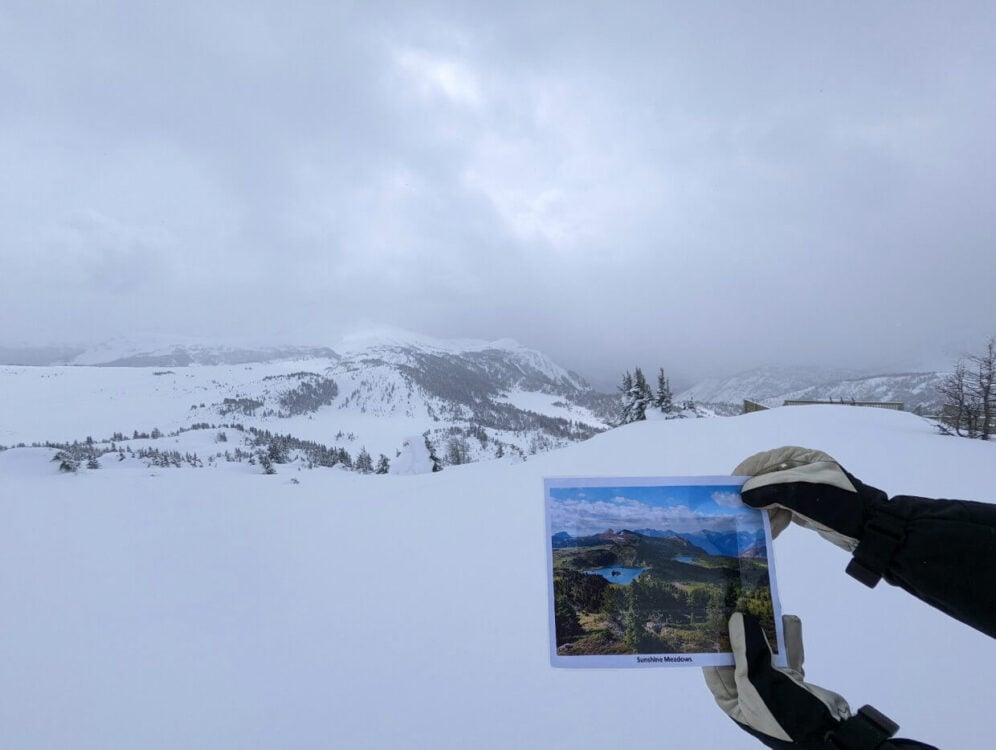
[[67, 462], [626, 405], [643, 396], [663, 399], [266, 462], [277, 451], [364, 464], [637, 397], [383, 465]]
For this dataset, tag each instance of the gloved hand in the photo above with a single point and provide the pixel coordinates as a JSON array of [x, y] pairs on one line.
[[809, 487], [782, 710]]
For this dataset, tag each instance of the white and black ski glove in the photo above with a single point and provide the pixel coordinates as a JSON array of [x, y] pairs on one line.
[[810, 488], [783, 711]]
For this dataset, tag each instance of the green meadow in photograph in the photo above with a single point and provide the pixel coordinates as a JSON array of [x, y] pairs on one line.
[[654, 569]]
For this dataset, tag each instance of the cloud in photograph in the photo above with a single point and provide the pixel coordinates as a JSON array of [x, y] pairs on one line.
[[679, 509], [727, 499]]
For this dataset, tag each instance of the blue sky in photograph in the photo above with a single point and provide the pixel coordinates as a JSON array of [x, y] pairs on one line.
[[582, 510]]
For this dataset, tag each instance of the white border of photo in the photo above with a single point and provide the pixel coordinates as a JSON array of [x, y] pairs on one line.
[[653, 660]]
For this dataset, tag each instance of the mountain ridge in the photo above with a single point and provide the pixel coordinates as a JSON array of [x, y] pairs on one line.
[[471, 399], [771, 386]]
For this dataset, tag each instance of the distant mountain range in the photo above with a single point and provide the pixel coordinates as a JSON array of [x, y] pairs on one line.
[[470, 399], [126, 354], [726, 544], [771, 386]]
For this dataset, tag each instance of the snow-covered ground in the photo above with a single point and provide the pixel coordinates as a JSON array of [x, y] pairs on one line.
[[188, 608], [377, 405]]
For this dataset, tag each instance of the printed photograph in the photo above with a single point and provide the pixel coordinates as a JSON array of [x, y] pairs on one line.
[[641, 567]]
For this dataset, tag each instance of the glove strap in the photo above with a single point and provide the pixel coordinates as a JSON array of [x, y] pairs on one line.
[[881, 538], [866, 730]]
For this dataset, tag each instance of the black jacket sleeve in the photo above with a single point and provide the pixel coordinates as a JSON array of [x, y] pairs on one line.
[[941, 551]]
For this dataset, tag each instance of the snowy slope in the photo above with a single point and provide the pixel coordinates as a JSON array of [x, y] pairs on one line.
[[917, 390], [491, 398], [208, 609], [761, 383]]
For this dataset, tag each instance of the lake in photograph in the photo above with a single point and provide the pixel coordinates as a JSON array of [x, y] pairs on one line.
[[620, 575]]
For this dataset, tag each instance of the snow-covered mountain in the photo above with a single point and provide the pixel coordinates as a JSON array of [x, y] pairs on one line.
[[761, 383], [773, 385], [470, 399], [39, 355], [919, 391], [156, 351], [168, 352]]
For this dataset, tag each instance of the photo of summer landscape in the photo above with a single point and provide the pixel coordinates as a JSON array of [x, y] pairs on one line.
[[654, 568]]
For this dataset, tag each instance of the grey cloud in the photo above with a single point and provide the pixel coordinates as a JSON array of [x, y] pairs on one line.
[[703, 188]]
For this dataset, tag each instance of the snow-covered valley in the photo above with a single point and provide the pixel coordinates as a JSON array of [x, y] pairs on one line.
[[469, 400]]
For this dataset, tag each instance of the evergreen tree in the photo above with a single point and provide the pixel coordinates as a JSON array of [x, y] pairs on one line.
[[67, 461], [664, 400], [626, 405], [364, 464], [266, 462], [642, 396], [637, 397], [567, 621], [277, 452], [383, 465]]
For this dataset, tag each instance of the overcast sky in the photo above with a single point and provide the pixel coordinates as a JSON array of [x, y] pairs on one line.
[[701, 186]]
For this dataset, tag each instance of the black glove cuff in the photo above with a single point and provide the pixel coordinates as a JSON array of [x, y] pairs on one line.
[[882, 536], [866, 730]]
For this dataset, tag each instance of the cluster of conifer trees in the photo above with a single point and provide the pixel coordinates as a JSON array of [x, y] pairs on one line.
[[638, 398]]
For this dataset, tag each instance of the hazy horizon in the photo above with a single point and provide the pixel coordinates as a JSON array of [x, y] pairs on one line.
[[605, 379], [706, 189]]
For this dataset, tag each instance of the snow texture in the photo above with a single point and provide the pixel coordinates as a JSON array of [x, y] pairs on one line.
[[219, 609], [388, 387], [413, 458]]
